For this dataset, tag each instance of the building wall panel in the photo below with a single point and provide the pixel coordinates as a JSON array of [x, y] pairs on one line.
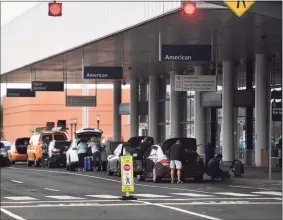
[[22, 114]]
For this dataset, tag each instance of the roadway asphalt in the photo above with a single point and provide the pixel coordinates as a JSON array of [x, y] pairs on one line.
[[45, 194]]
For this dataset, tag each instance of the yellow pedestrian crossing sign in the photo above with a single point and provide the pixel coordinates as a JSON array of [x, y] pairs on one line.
[[239, 7]]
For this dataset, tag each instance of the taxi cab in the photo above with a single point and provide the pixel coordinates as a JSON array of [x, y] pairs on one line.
[[34, 150]]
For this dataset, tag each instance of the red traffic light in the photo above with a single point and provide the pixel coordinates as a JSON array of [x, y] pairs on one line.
[[188, 8], [55, 9]]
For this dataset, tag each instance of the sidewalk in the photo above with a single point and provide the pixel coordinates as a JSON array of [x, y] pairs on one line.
[[257, 177]]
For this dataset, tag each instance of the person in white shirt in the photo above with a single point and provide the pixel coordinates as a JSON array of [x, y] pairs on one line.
[[96, 150]]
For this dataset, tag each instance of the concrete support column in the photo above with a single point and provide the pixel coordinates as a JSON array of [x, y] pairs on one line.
[[228, 111], [162, 109], [199, 114], [134, 104], [261, 107], [153, 107], [143, 98], [175, 104], [117, 94]]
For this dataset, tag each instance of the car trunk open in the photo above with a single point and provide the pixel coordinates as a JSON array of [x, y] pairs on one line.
[[62, 145], [141, 148], [21, 145], [88, 135], [189, 147]]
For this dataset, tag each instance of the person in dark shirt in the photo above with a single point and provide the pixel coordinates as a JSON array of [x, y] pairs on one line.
[[175, 156], [214, 170]]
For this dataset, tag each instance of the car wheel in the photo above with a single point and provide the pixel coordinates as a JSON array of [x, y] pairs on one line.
[[118, 170], [109, 172], [140, 178], [155, 179], [8, 163], [29, 163], [198, 178]]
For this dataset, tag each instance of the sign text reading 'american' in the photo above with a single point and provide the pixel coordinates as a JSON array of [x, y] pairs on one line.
[[239, 7], [203, 83], [185, 52], [100, 72], [127, 174]]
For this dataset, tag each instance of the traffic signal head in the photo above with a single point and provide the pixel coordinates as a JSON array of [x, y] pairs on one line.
[[188, 8], [55, 9]]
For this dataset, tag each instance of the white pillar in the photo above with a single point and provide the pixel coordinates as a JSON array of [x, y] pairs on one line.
[[228, 111], [199, 113], [153, 103], [162, 108], [175, 104], [261, 106], [116, 116], [134, 96]]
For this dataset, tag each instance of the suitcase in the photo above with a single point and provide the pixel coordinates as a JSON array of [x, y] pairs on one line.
[[89, 164], [85, 163]]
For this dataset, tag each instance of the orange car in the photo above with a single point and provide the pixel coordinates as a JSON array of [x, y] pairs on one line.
[[34, 150], [18, 150]]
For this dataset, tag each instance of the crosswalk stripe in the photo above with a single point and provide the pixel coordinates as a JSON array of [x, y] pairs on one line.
[[151, 195], [64, 197], [235, 194], [272, 193], [20, 198], [192, 194], [104, 196]]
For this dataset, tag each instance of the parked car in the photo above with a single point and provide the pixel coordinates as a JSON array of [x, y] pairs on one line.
[[156, 161], [132, 148], [57, 153], [18, 150], [4, 160], [72, 158], [34, 150], [7, 144]]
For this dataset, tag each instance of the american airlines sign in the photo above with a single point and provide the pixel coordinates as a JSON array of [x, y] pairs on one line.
[[100, 72], [171, 52]]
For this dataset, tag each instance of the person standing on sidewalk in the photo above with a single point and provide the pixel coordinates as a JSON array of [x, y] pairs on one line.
[[175, 157]]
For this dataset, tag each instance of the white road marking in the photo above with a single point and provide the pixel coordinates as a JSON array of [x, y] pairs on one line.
[[139, 203], [17, 217], [235, 194], [246, 187], [102, 178], [73, 205], [224, 203], [272, 193], [104, 196], [192, 194], [156, 199], [63, 197], [150, 195], [179, 210], [55, 190], [20, 198], [15, 181]]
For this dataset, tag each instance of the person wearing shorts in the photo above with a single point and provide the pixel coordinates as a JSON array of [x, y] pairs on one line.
[[175, 155]]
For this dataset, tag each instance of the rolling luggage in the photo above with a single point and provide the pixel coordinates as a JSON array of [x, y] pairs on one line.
[[88, 163]]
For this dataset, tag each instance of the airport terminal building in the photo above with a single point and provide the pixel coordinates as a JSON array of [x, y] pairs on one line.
[[213, 76]]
